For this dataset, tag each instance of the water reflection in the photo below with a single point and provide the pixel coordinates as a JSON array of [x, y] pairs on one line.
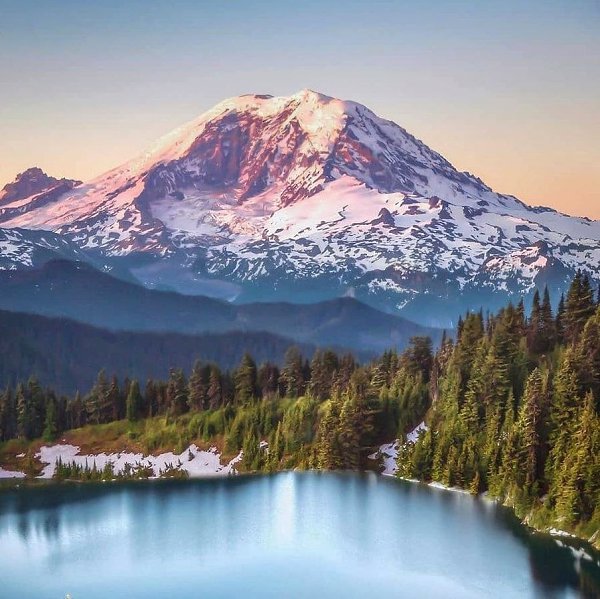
[[301, 533], [552, 562]]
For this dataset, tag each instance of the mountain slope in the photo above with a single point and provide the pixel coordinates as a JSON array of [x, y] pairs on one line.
[[22, 249], [79, 292], [68, 355], [308, 197]]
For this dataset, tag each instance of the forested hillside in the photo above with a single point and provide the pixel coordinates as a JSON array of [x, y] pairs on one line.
[[516, 411], [68, 355], [512, 407]]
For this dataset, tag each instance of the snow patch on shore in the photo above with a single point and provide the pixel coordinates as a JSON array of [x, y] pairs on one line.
[[413, 436], [555, 532], [11, 473], [389, 451], [436, 485], [194, 461]]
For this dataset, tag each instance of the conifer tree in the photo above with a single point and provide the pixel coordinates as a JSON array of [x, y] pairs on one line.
[[323, 367], [177, 398], [349, 433], [329, 451], [23, 414], [419, 356], [533, 327], [563, 409], [506, 479], [8, 416], [317, 383], [251, 451], [151, 398], [520, 312], [559, 322], [548, 323], [77, 411], [347, 365], [589, 356], [98, 403], [134, 401], [466, 347], [579, 306], [422, 457], [197, 388], [578, 491], [36, 406], [355, 422], [114, 400], [530, 431], [245, 381], [541, 334], [379, 378], [276, 448], [292, 374], [50, 424], [267, 380], [214, 391]]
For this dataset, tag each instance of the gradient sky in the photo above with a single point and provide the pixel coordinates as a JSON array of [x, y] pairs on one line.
[[509, 91]]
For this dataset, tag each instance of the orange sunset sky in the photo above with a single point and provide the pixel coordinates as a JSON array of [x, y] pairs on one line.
[[509, 91]]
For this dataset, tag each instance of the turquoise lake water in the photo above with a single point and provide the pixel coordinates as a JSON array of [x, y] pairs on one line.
[[286, 535]]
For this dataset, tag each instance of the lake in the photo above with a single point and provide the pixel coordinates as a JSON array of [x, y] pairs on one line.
[[286, 535]]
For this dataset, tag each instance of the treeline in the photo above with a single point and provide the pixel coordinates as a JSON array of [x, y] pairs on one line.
[[85, 472], [30, 411], [516, 410], [245, 403]]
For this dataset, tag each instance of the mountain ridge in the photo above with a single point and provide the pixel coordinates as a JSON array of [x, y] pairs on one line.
[[80, 292]]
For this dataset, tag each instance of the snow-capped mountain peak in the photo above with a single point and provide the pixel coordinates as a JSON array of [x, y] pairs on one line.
[[316, 196]]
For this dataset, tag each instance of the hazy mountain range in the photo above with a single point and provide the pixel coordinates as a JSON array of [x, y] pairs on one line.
[[68, 355], [79, 292]]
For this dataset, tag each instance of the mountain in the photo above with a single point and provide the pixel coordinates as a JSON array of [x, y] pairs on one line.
[[68, 355], [32, 189], [24, 249], [307, 197], [80, 292]]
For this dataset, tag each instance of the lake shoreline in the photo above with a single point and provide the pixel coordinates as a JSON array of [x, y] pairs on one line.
[[45, 481], [109, 465], [387, 455], [554, 533]]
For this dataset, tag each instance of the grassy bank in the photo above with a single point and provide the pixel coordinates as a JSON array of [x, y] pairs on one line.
[[151, 436]]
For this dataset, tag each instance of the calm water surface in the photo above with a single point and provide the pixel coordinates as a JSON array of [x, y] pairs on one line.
[[287, 535]]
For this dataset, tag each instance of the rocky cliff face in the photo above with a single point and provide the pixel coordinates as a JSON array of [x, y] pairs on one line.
[[32, 182]]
